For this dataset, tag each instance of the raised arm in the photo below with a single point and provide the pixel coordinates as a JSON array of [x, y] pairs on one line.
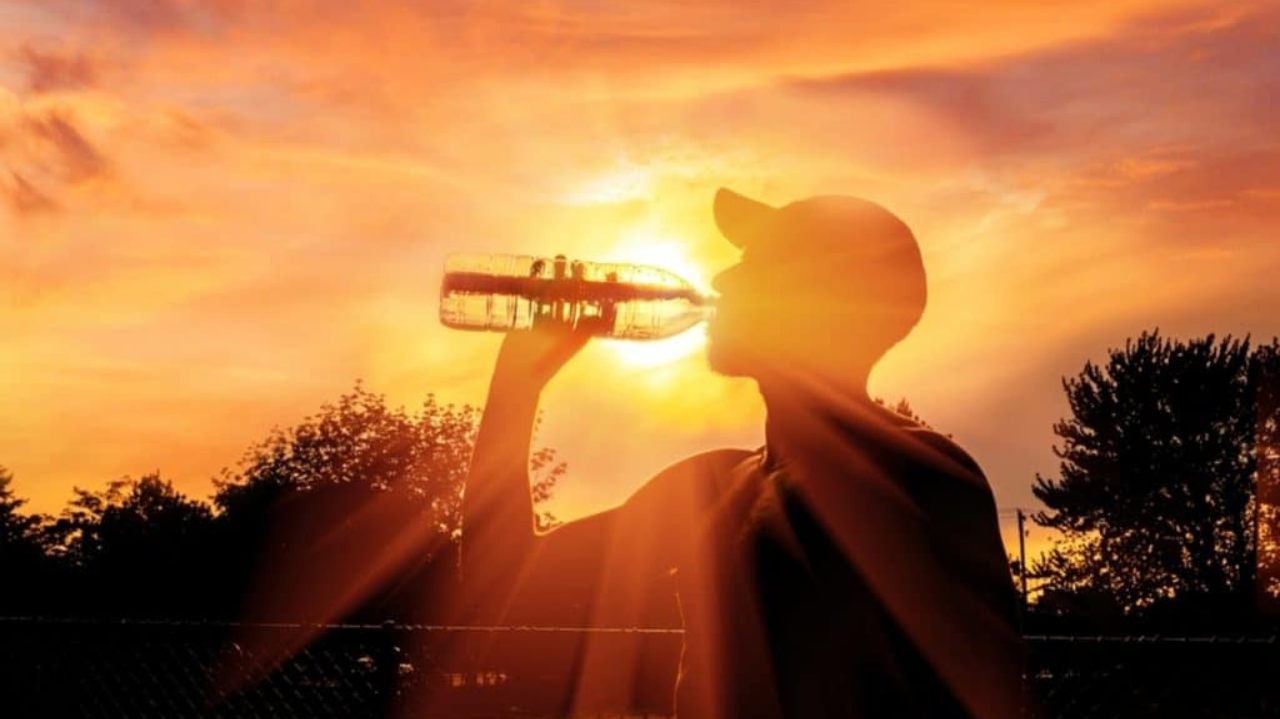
[[498, 524], [599, 569]]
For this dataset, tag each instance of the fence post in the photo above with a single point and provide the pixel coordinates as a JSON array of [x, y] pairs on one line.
[[387, 669], [1022, 567]]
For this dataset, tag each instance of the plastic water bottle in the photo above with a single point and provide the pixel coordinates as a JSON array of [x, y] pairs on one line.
[[515, 292]]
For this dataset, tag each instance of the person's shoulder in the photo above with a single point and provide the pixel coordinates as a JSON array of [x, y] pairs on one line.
[[705, 467], [700, 477], [941, 451], [939, 468], [904, 439]]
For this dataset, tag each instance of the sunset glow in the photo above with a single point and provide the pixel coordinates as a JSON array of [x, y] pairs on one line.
[[643, 246]]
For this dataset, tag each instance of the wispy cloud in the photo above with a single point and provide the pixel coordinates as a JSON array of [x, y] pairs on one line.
[[75, 158], [25, 199], [48, 71]]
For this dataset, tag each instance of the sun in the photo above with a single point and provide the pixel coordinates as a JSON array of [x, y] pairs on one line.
[[645, 247]]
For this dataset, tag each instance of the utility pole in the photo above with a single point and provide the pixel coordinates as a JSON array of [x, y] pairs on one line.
[[1022, 557]]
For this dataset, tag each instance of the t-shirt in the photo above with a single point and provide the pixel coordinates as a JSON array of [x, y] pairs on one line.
[[860, 574], [782, 621]]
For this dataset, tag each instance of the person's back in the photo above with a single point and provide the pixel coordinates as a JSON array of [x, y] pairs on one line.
[[798, 630]]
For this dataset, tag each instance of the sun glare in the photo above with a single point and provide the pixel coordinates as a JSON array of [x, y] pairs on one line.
[[646, 247]]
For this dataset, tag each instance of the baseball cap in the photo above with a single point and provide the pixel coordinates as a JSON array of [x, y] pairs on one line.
[[857, 241]]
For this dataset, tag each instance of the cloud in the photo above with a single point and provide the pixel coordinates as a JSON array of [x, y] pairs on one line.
[[1176, 115], [76, 157], [150, 16], [1164, 77], [49, 158], [1231, 184], [25, 198], [48, 71], [648, 48], [978, 103]]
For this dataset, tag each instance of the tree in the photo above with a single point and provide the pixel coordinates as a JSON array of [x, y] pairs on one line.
[[139, 547], [357, 508], [361, 440], [22, 558], [353, 513], [903, 407], [19, 533], [1156, 497]]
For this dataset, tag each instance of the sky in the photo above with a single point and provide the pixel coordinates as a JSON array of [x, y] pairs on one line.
[[216, 216]]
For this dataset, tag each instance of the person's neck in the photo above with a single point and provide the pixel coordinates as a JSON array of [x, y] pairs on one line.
[[795, 409]]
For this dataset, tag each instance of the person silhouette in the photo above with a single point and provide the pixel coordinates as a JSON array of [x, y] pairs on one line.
[[851, 567]]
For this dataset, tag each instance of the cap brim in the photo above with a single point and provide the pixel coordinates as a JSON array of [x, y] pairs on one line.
[[741, 219]]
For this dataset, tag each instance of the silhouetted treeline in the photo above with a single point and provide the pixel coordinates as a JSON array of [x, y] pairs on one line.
[[1166, 499], [1167, 491], [141, 548]]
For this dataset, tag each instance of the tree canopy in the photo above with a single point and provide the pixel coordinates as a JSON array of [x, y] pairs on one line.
[[309, 508], [19, 533], [22, 550], [1156, 495], [353, 505]]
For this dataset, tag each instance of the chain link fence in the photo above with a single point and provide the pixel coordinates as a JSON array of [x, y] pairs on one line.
[[185, 669]]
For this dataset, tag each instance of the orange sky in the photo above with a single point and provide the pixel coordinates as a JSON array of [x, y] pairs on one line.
[[215, 216]]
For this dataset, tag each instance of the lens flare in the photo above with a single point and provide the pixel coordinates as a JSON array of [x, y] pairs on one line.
[[645, 246]]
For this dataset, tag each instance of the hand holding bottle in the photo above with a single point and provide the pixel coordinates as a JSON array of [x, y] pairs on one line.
[[530, 358]]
